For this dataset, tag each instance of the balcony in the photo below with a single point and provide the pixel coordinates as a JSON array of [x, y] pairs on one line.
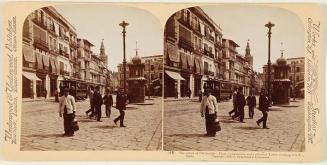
[[185, 43], [73, 44], [52, 31], [63, 53], [208, 53], [197, 30], [218, 44], [39, 22], [186, 23], [27, 36], [41, 44], [54, 51]]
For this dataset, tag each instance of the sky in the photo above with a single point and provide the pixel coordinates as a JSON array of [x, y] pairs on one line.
[[96, 22], [243, 22]]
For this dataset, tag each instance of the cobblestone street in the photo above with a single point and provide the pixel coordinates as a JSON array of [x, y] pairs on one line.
[[42, 128], [184, 129]]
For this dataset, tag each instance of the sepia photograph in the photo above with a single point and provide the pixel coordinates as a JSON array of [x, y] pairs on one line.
[[234, 79], [91, 79]]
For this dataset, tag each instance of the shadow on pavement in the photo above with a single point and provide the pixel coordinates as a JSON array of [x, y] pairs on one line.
[[248, 128], [46, 135], [106, 126], [275, 109], [228, 121], [187, 135], [86, 120]]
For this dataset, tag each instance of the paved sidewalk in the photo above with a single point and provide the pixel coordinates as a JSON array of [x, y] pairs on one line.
[[184, 129], [42, 128]]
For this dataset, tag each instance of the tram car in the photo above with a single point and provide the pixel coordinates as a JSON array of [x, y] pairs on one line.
[[78, 89], [221, 89]]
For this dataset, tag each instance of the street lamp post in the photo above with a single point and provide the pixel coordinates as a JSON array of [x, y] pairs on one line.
[[124, 24], [269, 25]]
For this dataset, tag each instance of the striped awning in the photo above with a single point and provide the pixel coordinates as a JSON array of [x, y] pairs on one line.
[[28, 54]]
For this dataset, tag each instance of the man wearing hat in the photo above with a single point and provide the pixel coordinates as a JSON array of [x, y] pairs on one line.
[[209, 108], [67, 110], [264, 108]]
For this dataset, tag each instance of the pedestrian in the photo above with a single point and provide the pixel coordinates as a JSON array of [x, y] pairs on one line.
[[45, 92], [67, 110], [56, 94], [209, 107], [234, 110], [251, 102], [97, 102], [189, 92], [264, 108], [91, 103], [107, 101], [200, 95], [240, 103], [121, 106]]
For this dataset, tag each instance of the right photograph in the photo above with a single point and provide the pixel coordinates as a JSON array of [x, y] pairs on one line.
[[234, 79]]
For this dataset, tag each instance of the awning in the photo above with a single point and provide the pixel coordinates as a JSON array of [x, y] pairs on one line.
[[45, 60], [174, 75], [184, 60], [28, 54], [39, 61], [172, 53], [190, 61], [31, 76]]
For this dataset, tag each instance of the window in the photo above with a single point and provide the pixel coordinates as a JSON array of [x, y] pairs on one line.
[[152, 67], [297, 78]]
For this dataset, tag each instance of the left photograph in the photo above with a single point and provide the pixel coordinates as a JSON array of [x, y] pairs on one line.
[[91, 79]]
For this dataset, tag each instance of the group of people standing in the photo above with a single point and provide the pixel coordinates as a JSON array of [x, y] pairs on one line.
[[67, 107], [209, 108], [239, 102], [96, 101]]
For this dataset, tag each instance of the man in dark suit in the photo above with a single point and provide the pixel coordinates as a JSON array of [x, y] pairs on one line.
[[97, 101], [264, 108], [121, 106], [240, 103], [107, 101], [251, 102]]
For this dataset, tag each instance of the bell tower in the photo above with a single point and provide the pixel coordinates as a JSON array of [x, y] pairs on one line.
[[103, 55], [248, 56]]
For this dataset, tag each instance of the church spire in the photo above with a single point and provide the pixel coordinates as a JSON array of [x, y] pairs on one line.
[[247, 49], [102, 50]]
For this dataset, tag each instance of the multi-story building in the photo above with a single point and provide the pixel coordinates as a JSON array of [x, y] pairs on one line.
[[153, 73], [296, 75], [52, 53], [47, 53], [192, 51]]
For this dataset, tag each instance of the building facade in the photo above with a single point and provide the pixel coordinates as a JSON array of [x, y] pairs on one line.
[[51, 53], [153, 73], [195, 52]]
